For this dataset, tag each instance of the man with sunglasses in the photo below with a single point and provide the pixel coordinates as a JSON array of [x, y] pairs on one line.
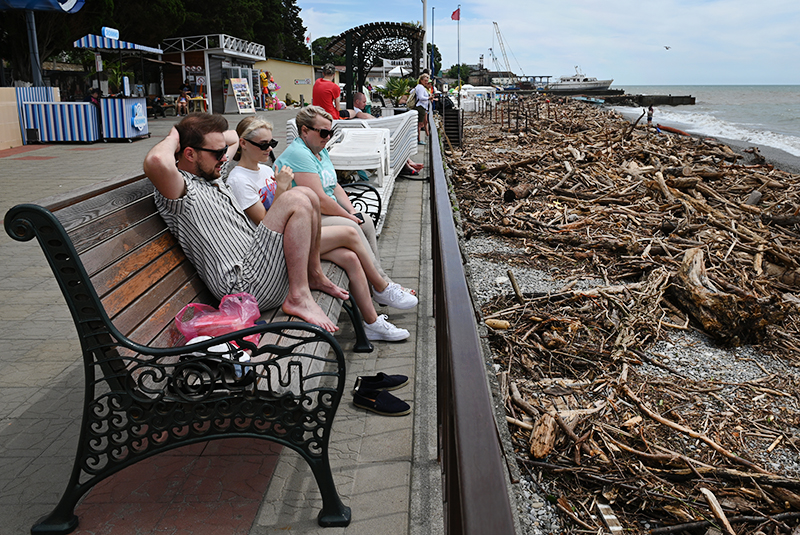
[[276, 261]]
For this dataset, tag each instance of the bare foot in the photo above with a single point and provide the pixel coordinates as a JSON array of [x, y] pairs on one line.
[[415, 166], [309, 311], [324, 284]]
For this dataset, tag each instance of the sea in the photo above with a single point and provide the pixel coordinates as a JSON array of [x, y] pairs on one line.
[[766, 115]]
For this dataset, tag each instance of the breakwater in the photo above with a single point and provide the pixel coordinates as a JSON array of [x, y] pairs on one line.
[[649, 100]]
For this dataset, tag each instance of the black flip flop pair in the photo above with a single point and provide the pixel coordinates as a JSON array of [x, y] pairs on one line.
[[371, 393]]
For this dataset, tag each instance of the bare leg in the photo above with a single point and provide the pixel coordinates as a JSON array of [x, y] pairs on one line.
[[316, 278], [348, 261], [366, 232], [347, 237], [414, 165], [291, 215]]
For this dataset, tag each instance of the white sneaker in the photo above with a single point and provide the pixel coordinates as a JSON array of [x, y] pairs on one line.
[[383, 330], [394, 296]]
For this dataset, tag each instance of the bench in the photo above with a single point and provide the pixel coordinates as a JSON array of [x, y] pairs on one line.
[[124, 278]]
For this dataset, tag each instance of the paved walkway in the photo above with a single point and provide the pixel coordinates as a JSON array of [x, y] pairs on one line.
[[385, 468]]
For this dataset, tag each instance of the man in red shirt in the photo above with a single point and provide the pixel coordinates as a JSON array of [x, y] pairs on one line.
[[326, 92]]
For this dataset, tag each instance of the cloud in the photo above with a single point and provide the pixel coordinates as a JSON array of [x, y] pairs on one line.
[[712, 41]]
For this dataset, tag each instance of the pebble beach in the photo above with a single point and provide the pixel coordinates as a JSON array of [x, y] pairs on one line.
[[683, 355]]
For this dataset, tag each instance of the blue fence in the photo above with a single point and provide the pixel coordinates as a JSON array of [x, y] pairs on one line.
[[61, 121]]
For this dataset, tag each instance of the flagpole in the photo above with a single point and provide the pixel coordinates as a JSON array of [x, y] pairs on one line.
[[459, 56], [433, 50]]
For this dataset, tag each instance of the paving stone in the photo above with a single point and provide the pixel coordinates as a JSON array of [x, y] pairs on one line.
[[373, 458]]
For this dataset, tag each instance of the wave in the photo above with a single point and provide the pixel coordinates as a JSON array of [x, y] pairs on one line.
[[707, 124]]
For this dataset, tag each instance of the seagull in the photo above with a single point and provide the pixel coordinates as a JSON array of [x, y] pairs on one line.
[[667, 47]]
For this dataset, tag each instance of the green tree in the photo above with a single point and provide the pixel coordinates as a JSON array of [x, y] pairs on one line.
[[322, 55], [294, 33], [138, 21], [437, 59], [452, 72], [281, 30], [237, 18]]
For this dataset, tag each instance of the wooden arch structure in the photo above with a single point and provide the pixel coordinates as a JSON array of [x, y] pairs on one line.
[[362, 46]]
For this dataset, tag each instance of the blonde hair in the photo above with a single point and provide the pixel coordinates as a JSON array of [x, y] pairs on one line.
[[305, 117], [247, 126], [423, 77]]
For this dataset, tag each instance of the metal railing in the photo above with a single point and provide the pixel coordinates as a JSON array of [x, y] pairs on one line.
[[475, 491]]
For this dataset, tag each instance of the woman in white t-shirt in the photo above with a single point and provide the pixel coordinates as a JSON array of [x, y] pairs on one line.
[[256, 186]]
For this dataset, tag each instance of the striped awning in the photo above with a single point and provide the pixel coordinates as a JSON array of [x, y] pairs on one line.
[[102, 43]]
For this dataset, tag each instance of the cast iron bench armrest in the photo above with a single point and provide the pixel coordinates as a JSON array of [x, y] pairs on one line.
[[365, 199]]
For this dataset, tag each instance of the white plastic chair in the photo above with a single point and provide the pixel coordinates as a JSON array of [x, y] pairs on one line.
[[360, 149]]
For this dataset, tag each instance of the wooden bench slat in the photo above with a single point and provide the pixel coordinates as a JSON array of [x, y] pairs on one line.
[[108, 226], [110, 251], [119, 273], [86, 211], [124, 294], [150, 313]]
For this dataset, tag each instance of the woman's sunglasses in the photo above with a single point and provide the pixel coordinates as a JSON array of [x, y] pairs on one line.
[[219, 154], [264, 145], [323, 132]]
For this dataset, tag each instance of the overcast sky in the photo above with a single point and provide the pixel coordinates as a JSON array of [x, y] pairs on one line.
[[711, 41]]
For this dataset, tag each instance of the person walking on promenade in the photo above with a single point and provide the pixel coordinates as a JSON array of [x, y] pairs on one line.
[[422, 105], [326, 93], [277, 261]]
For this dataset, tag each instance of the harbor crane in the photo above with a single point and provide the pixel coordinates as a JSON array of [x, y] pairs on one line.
[[502, 48]]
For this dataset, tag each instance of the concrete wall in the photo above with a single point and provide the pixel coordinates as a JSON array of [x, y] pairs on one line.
[[9, 119], [287, 74], [10, 135]]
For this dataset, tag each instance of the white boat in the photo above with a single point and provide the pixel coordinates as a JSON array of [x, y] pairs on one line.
[[578, 82]]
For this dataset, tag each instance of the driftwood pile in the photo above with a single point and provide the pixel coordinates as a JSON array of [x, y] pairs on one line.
[[686, 234]]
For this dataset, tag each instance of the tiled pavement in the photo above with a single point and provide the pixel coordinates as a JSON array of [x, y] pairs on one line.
[[385, 468]]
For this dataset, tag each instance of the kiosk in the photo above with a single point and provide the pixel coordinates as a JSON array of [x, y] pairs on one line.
[[122, 117]]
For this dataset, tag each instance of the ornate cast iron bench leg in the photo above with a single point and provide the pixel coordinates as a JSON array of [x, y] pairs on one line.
[[362, 345]]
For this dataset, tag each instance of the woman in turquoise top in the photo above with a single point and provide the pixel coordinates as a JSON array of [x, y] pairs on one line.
[[308, 158]]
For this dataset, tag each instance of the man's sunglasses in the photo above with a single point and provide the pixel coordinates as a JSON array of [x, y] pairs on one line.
[[265, 144], [323, 132], [218, 153]]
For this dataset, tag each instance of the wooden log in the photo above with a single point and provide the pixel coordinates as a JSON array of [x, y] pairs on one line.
[[543, 437], [680, 171], [502, 167], [683, 182], [518, 192], [729, 319], [709, 173]]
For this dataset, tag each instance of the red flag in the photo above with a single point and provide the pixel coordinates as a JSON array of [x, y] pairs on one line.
[[456, 14]]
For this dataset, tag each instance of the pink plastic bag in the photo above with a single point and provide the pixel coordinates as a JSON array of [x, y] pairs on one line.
[[237, 311]]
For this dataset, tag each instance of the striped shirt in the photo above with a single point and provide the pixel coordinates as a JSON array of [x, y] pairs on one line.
[[229, 252]]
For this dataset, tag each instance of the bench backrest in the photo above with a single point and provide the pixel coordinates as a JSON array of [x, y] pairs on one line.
[[139, 271]]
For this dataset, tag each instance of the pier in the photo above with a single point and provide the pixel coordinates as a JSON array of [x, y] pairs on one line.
[[649, 100]]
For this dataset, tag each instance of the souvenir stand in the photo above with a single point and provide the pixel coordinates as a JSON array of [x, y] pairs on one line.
[[120, 117]]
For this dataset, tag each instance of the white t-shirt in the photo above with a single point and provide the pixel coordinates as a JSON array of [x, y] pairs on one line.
[[250, 187]]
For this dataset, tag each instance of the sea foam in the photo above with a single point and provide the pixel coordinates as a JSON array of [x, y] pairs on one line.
[[705, 124]]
